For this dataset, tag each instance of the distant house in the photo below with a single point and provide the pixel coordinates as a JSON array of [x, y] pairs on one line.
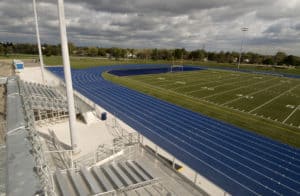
[[246, 60], [131, 55]]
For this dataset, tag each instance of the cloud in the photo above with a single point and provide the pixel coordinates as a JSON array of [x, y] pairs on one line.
[[191, 24]]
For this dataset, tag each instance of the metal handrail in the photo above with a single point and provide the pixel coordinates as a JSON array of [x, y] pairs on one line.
[[38, 152]]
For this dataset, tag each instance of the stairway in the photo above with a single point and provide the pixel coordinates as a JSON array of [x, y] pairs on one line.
[[114, 177]]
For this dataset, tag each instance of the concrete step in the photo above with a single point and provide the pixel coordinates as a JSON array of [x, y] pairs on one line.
[[122, 176], [137, 171], [135, 178], [114, 179], [78, 183], [102, 179], [106, 178], [64, 186], [91, 181]]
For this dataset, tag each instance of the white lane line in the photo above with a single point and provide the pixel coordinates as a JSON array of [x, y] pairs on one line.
[[262, 105], [291, 114], [180, 147], [178, 124]]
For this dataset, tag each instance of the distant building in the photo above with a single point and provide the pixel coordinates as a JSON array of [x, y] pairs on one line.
[[246, 60], [131, 55]]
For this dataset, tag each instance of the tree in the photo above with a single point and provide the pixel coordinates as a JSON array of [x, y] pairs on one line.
[[92, 51], [72, 48], [101, 52], [1, 49], [279, 58], [268, 61], [292, 60], [197, 55], [154, 54]]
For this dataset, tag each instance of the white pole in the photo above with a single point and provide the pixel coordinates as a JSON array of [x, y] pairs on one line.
[[244, 29], [68, 78], [39, 41]]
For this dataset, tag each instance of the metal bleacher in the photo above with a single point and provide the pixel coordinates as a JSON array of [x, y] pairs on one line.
[[47, 103], [122, 178]]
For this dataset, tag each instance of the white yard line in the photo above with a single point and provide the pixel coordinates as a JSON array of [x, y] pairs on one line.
[[220, 93], [222, 80], [253, 93], [184, 79], [230, 83], [168, 79], [262, 105], [198, 100], [291, 114]]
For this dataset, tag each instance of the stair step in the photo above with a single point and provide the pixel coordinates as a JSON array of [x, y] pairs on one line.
[[91, 182], [103, 179], [130, 193], [124, 178], [142, 192], [143, 169], [79, 184], [138, 171], [130, 173], [63, 184], [154, 191], [113, 177]]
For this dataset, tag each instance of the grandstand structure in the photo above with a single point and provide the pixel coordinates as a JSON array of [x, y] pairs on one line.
[[43, 159], [44, 163]]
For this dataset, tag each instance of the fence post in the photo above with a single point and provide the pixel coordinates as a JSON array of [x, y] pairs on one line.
[[173, 163], [195, 179]]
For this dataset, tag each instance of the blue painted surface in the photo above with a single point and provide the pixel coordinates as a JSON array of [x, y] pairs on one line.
[[130, 72], [254, 71], [239, 161], [19, 66]]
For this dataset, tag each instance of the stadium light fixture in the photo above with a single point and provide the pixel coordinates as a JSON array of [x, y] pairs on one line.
[[68, 77], [243, 29], [39, 42]]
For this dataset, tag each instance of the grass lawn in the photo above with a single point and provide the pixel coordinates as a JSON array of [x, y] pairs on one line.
[[85, 62], [264, 104]]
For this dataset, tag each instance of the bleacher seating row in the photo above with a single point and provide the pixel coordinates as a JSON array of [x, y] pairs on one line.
[[122, 178], [46, 101]]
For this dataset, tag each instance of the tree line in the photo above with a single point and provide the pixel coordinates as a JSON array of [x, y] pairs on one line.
[[280, 58]]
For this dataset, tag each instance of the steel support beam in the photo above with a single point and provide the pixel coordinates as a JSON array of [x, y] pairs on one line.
[[68, 77], [39, 42]]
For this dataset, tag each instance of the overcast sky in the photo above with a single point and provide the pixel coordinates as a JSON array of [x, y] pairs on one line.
[[274, 25]]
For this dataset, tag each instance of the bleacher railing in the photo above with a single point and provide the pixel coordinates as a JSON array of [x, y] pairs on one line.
[[42, 168]]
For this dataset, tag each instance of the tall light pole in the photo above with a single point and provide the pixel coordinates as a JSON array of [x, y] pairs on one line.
[[243, 29], [39, 41], [68, 77]]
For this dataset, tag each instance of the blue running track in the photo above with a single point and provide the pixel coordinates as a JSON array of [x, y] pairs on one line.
[[240, 162]]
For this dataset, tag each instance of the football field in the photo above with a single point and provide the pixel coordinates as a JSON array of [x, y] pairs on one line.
[[264, 96]]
